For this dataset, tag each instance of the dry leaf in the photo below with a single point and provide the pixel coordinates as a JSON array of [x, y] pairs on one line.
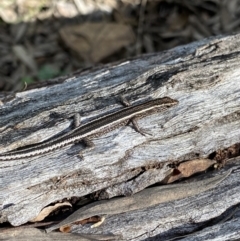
[[96, 41], [65, 229], [189, 168], [95, 219], [46, 211]]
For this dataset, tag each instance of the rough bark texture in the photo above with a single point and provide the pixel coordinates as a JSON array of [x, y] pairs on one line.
[[202, 76]]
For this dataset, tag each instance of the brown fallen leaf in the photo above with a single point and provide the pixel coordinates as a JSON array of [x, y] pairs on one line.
[[188, 168], [67, 229], [46, 211], [96, 41]]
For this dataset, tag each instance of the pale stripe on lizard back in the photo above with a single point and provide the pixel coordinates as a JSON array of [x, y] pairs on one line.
[[94, 128]]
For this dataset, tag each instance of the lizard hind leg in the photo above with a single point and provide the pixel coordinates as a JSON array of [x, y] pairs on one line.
[[88, 142], [134, 120], [137, 128], [89, 145]]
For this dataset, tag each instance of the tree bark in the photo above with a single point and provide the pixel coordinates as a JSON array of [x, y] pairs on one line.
[[203, 76]]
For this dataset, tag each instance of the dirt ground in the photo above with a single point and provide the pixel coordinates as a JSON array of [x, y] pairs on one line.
[[43, 39]]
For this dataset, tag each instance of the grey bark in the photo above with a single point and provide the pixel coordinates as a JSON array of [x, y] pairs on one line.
[[203, 76]]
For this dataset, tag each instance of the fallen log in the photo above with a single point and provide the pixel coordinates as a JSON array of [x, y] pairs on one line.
[[204, 127]]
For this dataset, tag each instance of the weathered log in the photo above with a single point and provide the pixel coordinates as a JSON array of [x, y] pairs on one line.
[[202, 76]]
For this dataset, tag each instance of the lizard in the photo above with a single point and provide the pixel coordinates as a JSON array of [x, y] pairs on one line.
[[95, 128]]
